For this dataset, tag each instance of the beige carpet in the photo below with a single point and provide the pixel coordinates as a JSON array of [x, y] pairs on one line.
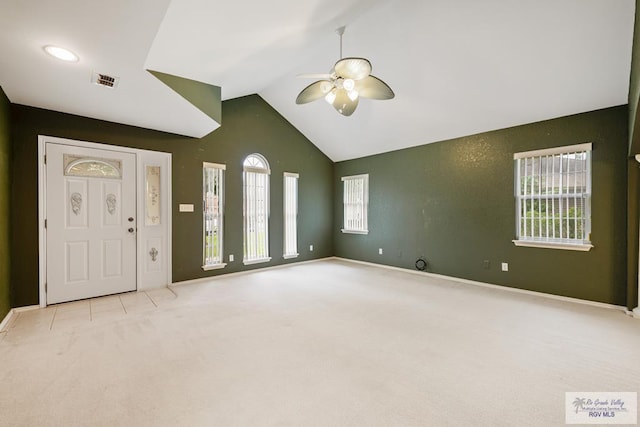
[[329, 343]]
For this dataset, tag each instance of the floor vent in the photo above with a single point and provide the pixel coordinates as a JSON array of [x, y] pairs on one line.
[[105, 80]]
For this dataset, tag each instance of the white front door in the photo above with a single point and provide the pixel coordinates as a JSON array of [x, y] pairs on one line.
[[91, 222]]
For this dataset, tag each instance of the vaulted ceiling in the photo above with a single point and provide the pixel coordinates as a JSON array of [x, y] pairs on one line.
[[457, 67]]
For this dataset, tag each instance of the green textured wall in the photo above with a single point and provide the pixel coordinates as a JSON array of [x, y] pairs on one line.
[[453, 203], [249, 125], [5, 192]]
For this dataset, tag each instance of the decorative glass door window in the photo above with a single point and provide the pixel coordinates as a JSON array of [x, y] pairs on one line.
[[152, 199], [92, 167]]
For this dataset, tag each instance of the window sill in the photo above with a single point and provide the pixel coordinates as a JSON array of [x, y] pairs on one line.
[[551, 245], [355, 231], [290, 256], [256, 261], [214, 266]]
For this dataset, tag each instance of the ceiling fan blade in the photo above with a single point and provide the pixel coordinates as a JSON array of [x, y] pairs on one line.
[[314, 76], [353, 68], [343, 104], [374, 88], [315, 90]]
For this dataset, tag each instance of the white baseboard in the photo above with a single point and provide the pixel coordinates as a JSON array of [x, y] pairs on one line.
[[6, 322], [492, 286], [241, 273]]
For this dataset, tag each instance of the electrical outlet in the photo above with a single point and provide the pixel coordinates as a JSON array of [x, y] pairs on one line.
[[505, 266], [231, 258], [379, 251], [310, 248], [486, 264]]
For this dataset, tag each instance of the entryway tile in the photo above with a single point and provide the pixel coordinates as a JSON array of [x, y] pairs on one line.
[[136, 302], [33, 320], [161, 296]]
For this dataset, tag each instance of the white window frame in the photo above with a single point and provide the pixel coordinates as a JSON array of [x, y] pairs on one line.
[[552, 193], [290, 215], [255, 213], [355, 201], [213, 212]]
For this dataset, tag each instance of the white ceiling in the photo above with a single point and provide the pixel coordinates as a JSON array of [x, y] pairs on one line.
[[457, 67]]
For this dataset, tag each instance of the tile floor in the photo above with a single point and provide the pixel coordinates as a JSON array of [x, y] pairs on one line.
[[79, 314]]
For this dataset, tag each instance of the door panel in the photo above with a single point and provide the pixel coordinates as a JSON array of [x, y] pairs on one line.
[[77, 261], [91, 248]]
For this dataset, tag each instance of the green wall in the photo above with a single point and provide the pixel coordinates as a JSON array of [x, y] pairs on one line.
[[249, 125], [453, 203], [5, 192]]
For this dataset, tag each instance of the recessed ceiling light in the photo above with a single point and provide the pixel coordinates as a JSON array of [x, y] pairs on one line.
[[61, 53]]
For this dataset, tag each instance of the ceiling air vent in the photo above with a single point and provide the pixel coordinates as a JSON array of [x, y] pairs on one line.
[[105, 80]]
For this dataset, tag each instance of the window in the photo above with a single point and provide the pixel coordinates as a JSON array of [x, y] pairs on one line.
[[76, 165], [256, 209], [553, 197], [290, 215], [356, 201], [213, 214]]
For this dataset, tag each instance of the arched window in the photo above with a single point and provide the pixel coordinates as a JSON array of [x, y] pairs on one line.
[[256, 209]]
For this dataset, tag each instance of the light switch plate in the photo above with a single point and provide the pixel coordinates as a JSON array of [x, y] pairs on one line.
[[186, 207]]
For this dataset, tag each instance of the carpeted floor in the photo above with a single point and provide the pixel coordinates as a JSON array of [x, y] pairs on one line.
[[328, 343]]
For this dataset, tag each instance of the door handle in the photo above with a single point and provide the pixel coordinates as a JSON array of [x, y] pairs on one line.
[[130, 230], [130, 219]]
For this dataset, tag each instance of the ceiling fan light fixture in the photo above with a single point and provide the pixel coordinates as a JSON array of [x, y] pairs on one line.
[[348, 84], [331, 96], [326, 87], [349, 80]]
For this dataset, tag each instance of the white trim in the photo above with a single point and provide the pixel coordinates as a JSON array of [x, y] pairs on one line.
[[214, 165], [551, 245], [492, 286], [256, 261], [214, 266], [42, 261], [636, 311], [291, 174], [42, 235], [242, 273], [354, 231], [9, 318], [290, 256], [361, 176], [554, 150]]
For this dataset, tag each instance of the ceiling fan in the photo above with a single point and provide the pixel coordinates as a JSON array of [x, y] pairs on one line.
[[349, 80]]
